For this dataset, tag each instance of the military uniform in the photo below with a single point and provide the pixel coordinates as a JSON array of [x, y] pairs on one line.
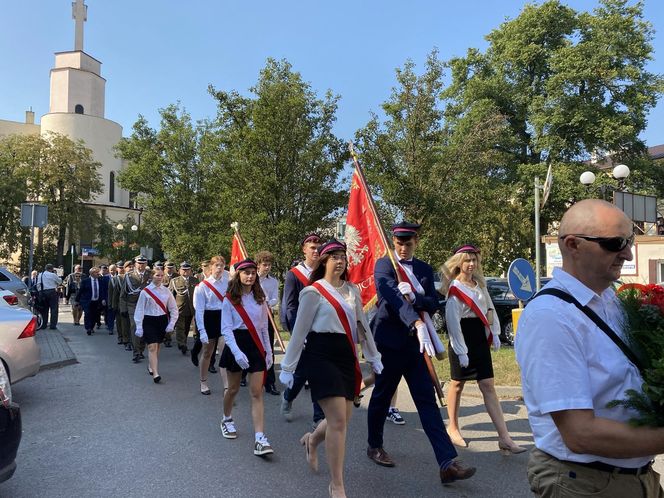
[[183, 290], [135, 282], [114, 300], [169, 275], [124, 324]]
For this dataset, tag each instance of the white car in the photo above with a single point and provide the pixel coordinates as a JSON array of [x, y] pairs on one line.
[[19, 351]]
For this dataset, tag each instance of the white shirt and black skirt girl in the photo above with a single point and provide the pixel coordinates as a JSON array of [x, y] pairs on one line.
[[469, 335], [152, 321], [329, 359], [236, 334], [208, 305]]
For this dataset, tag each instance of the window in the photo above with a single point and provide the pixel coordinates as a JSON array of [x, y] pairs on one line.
[[78, 109], [111, 187]]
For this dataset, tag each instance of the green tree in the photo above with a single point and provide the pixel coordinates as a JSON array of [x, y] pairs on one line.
[[177, 184], [279, 160]]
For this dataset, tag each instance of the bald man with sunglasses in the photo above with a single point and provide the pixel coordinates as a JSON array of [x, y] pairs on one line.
[[571, 368]]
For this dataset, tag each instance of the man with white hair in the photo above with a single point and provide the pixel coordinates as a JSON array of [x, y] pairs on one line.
[[571, 368]]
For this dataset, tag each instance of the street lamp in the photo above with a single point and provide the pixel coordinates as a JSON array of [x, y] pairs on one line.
[[620, 173]]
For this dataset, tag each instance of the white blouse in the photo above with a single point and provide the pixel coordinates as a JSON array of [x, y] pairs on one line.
[[316, 314], [146, 305], [231, 320], [205, 299], [455, 310], [270, 287]]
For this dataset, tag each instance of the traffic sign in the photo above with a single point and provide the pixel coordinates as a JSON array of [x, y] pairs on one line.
[[521, 279]]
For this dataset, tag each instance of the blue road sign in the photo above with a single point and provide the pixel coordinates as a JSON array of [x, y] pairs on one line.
[[521, 279]]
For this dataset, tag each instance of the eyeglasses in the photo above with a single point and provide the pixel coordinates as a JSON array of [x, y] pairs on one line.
[[611, 244]]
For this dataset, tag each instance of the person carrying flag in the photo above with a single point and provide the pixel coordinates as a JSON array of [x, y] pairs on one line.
[[402, 337]]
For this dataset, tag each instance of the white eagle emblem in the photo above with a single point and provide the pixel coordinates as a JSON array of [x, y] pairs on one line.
[[354, 249]]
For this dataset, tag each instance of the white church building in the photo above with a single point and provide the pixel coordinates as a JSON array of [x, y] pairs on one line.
[[77, 110]]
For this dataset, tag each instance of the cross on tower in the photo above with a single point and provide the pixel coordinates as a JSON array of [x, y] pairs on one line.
[[79, 12]]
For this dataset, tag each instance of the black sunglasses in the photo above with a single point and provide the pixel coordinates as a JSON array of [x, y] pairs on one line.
[[611, 244]]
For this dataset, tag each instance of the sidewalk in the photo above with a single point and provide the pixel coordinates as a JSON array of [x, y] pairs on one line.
[[54, 350]]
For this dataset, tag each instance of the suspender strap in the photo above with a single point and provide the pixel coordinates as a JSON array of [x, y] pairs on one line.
[[604, 327], [157, 300]]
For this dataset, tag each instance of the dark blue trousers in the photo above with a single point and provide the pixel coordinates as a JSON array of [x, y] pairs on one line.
[[408, 363], [109, 318]]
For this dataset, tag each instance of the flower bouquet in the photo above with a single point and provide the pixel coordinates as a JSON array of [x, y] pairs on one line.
[[644, 331]]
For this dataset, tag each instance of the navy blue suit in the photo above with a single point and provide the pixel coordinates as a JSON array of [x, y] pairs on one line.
[[400, 352], [290, 301], [92, 309]]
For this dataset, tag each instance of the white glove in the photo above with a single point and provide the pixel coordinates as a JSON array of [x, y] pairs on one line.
[[463, 360], [268, 360], [138, 333], [496, 342], [169, 331], [377, 366], [286, 378], [406, 290], [203, 337], [241, 359], [425, 340], [272, 303]]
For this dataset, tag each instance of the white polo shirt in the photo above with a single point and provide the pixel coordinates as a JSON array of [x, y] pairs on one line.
[[568, 363]]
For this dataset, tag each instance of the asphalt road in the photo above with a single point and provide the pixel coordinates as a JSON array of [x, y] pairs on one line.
[[102, 428]]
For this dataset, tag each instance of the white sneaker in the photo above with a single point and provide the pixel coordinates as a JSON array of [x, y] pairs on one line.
[[228, 429], [262, 447]]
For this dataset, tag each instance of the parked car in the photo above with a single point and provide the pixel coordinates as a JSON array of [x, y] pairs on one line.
[[10, 427], [19, 351], [11, 282]]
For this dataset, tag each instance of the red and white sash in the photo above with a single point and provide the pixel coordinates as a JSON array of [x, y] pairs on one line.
[[157, 300], [462, 294], [251, 328], [299, 274], [417, 288], [346, 317], [214, 290]]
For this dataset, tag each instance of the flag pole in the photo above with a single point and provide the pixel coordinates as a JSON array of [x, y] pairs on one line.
[[390, 253], [236, 226]]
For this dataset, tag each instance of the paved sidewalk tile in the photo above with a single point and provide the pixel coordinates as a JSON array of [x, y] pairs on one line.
[[55, 352]]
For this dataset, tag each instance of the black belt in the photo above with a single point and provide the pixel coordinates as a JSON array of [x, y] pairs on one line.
[[605, 467]]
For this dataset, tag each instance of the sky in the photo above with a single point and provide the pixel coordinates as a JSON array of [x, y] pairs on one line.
[[159, 52]]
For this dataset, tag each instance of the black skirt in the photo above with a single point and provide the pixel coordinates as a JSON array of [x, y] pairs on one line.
[[249, 348], [212, 322], [480, 365], [154, 328], [329, 366]]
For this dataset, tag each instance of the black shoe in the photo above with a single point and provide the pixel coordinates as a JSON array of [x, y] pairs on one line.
[[168, 344], [157, 379], [140, 356], [271, 389], [149, 371], [89, 332], [183, 349], [77, 324], [243, 382], [129, 347], [110, 332], [53, 328], [194, 358], [136, 359], [212, 370]]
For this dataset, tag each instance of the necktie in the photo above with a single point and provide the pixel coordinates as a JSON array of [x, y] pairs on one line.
[[94, 289]]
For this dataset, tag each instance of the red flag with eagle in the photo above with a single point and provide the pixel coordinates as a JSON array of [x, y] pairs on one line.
[[363, 239]]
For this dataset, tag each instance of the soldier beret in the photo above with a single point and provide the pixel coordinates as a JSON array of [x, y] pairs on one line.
[[405, 229]]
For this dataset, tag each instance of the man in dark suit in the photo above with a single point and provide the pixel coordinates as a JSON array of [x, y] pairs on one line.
[[402, 337], [92, 297]]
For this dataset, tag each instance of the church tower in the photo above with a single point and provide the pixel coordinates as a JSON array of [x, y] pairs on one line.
[[77, 106]]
